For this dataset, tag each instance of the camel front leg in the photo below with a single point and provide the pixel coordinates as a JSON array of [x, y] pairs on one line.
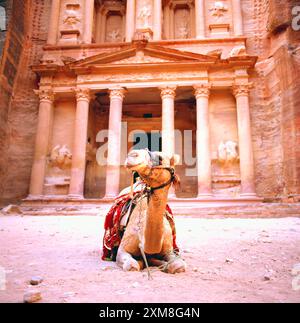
[[175, 264], [127, 262]]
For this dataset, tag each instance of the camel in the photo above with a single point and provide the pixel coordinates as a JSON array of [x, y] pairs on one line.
[[148, 229]]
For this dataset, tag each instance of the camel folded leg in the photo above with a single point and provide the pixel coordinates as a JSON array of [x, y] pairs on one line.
[[174, 263], [127, 262]]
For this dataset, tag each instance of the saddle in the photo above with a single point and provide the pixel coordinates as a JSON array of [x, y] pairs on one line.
[[117, 219]]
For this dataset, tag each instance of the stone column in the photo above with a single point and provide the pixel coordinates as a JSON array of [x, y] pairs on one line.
[[200, 19], [168, 132], [44, 130], [172, 22], [157, 20], [130, 20], [103, 26], [202, 92], [166, 19], [53, 22], [114, 143], [237, 18], [241, 93], [98, 26], [88, 21], [76, 189]]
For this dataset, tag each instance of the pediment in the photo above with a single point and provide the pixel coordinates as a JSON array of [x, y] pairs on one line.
[[147, 54]]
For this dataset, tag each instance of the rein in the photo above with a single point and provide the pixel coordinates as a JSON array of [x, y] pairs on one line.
[[170, 181]]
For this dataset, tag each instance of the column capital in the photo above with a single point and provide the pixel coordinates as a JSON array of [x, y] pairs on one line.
[[45, 95], [82, 94], [168, 92], [202, 90], [117, 93], [241, 89]]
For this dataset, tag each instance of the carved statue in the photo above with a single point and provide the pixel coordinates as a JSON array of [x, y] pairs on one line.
[[71, 17], [144, 16], [218, 9], [238, 51], [227, 152], [183, 30], [60, 157], [182, 24], [114, 35]]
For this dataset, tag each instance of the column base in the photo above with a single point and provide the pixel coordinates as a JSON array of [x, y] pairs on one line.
[[75, 197], [109, 196], [204, 196], [249, 195], [34, 197]]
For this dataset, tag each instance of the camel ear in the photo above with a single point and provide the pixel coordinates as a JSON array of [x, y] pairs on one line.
[[175, 159]]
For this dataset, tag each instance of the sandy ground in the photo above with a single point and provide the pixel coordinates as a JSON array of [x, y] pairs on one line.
[[229, 260]]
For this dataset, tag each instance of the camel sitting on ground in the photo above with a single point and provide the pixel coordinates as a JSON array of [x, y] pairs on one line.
[[148, 228]]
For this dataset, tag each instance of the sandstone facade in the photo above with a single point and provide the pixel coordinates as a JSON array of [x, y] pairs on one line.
[[36, 58]]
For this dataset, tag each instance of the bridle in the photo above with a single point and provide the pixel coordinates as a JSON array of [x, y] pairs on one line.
[[170, 181], [156, 162]]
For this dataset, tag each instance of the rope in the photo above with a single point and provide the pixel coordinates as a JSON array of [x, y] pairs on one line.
[[141, 244]]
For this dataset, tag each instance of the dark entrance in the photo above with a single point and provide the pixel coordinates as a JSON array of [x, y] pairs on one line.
[[151, 140]]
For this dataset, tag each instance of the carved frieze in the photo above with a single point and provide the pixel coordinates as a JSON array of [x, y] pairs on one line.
[[135, 77]]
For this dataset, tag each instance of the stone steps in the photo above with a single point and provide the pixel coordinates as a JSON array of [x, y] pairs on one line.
[[261, 210]]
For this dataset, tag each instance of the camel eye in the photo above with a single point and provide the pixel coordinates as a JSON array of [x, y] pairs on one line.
[[134, 155]]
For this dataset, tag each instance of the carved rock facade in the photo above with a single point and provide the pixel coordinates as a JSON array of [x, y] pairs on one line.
[[89, 51]]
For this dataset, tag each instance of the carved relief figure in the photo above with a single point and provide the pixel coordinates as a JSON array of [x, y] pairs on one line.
[[144, 16], [227, 152], [60, 157], [182, 23], [71, 18], [218, 9], [113, 28], [238, 51], [114, 36]]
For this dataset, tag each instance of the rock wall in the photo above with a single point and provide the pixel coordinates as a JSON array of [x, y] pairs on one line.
[[275, 98], [19, 105]]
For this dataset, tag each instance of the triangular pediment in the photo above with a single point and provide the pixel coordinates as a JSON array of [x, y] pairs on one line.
[[137, 54]]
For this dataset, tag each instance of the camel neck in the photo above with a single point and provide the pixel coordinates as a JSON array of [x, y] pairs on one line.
[[154, 222]]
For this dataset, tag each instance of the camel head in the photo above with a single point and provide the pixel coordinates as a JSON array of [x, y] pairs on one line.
[[152, 167]]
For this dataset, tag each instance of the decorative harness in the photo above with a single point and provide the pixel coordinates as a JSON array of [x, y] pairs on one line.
[[147, 192], [155, 160]]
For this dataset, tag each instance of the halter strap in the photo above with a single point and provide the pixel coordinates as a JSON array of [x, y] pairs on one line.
[[170, 181]]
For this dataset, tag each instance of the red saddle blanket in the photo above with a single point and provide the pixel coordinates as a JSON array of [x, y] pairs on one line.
[[113, 233]]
